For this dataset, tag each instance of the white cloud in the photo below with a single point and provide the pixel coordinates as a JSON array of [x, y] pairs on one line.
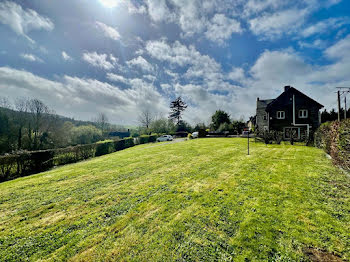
[[272, 26], [317, 44], [113, 59], [117, 78], [254, 7], [108, 31], [236, 74], [66, 57], [149, 77], [195, 17], [340, 50], [98, 60], [221, 28], [31, 58], [159, 11], [84, 97], [23, 21], [141, 63], [324, 26]]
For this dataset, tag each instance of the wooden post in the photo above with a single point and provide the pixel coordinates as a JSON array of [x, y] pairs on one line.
[[345, 106], [338, 105], [248, 142]]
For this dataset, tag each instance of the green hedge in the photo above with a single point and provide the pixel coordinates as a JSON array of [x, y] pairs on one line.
[[105, 148], [143, 139], [152, 138], [129, 142], [334, 138], [26, 163]]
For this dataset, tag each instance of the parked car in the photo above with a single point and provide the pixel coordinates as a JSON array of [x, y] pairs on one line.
[[165, 138], [195, 135], [245, 134]]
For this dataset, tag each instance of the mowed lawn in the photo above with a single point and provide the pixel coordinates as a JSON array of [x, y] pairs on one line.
[[198, 200]]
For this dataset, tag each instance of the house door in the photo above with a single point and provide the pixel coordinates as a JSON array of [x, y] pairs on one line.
[[292, 132]]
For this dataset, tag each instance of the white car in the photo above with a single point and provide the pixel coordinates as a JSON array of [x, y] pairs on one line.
[[165, 138], [195, 135]]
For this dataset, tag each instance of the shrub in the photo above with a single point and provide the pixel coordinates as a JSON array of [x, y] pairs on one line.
[[278, 137], [267, 136], [202, 133], [144, 139], [322, 137], [7, 166], [152, 138], [25, 163], [334, 138], [104, 148], [189, 136], [129, 142], [119, 145]]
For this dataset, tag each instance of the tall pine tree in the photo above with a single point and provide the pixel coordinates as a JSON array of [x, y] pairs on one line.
[[177, 107]]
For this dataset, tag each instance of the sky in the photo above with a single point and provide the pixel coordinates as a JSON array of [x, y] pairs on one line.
[[122, 57]]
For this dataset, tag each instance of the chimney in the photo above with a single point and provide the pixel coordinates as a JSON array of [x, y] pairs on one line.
[[257, 99], [286, 88]]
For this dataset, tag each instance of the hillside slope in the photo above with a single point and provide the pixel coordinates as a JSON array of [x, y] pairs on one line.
[[203, 199]]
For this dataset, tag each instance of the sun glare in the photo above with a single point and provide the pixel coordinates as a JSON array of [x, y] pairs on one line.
[[109, 3]]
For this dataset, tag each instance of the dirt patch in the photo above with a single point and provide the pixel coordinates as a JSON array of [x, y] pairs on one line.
[[317, 255]]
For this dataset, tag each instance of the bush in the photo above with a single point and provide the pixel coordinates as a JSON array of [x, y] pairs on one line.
[[25, 163], [322, 137], [189, 136], [277, 137], [104, 148], [334, 138], [152, 138], [129, 142], [144, 139], [119, 145], [268, 137], [202, 133]]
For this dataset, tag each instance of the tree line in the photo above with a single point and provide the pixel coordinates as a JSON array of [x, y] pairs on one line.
[[30, 124], [221, 122]]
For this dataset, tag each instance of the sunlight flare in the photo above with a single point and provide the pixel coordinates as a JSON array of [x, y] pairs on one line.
[[109, 3]]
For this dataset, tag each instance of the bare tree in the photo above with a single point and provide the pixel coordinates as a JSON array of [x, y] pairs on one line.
[[145, 118], [5, 102], [21, 106], [39, 112], [102, 121]]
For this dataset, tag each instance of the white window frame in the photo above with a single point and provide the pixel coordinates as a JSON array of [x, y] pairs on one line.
[[281, 115], [303, 113]]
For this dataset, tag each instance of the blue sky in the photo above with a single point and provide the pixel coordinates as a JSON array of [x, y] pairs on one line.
[[122, 57]]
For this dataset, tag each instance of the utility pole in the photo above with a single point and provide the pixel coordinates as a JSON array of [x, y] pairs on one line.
[[342, 91], [338, 105]]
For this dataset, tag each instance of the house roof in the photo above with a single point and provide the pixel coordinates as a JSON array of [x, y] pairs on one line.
[[262, 104], [290, 90]]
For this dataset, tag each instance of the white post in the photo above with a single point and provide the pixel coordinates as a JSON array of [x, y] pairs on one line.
[[293, 109]]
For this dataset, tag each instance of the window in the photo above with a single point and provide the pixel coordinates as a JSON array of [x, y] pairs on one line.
[[303, 113], [281, 115], [265, 116]]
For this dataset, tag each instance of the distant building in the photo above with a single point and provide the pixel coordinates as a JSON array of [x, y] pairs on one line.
[[119, 134], [293, 113]]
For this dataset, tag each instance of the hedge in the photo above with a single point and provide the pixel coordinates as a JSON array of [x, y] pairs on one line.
[[144, 139], [334, 139], [30, 162]]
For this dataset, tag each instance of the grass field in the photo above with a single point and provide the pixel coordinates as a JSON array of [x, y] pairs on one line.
[[198, 200]]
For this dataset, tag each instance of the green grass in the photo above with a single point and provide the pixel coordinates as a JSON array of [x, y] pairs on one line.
[[198, 200]]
